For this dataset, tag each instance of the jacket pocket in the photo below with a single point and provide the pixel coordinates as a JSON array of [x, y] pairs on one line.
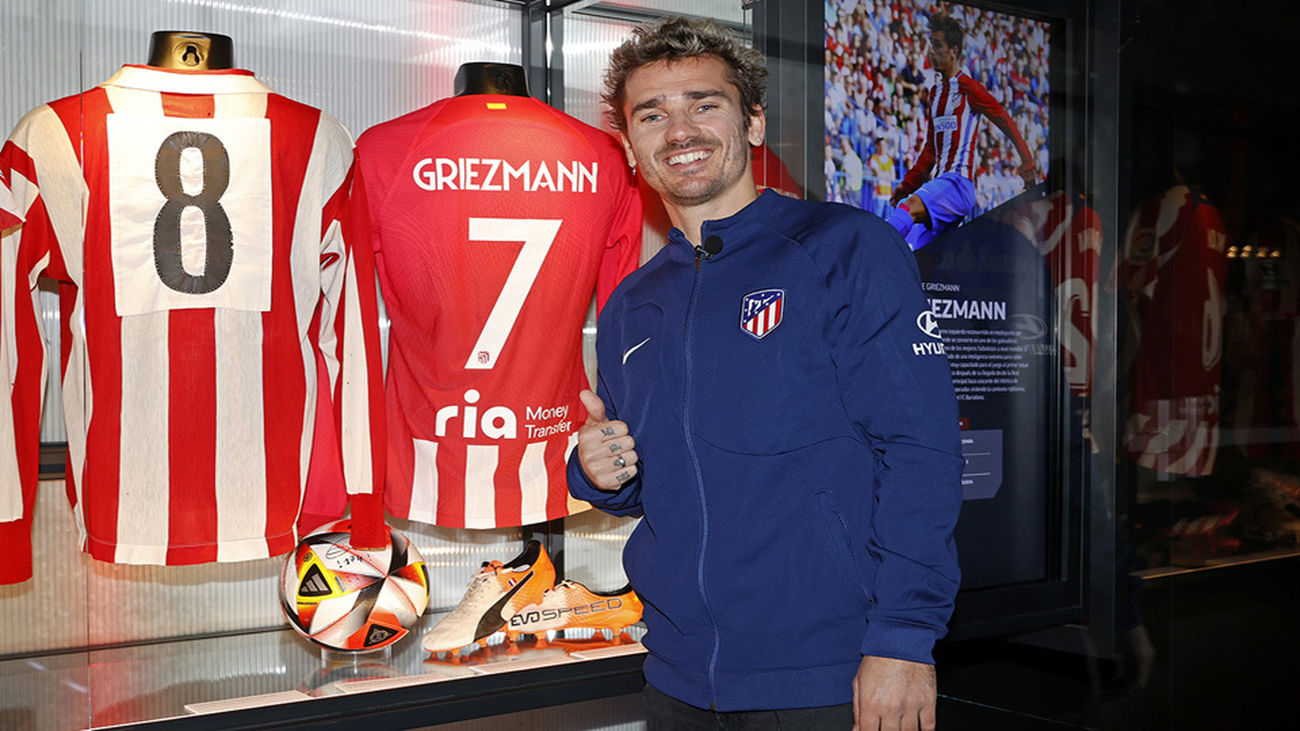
[[840, 544]]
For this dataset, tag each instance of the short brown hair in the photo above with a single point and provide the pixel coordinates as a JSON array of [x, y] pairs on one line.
[[953, 34], [678, 38]]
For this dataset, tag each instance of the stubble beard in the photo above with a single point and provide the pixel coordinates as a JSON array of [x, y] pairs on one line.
[[688, 194]]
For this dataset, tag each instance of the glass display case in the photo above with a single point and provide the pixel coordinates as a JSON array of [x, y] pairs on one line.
[[109, 643], [1013, 286]]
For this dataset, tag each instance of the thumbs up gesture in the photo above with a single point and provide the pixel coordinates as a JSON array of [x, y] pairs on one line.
[[605, 448]]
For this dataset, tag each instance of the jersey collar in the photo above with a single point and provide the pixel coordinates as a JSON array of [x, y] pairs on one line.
[[226, 81]]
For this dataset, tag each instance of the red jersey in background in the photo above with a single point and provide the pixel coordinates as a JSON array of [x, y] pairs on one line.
[[1172, 276]]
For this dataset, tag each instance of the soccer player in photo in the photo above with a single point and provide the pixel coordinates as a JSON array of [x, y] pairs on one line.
[[922, 209]]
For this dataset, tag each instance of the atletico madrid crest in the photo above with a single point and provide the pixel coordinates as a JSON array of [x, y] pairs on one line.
[[761, 311]]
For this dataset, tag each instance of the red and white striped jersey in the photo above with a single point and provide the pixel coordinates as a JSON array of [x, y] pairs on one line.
[[194, 221], [1173, 276], [494, 218], [770, 173], [8, 209], [952, 115], [1067, 232]]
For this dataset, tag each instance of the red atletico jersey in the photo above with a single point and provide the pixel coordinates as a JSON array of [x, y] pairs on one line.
[[770, 173], [494, 221], [952, 113], [1172, 276], [193, 221]]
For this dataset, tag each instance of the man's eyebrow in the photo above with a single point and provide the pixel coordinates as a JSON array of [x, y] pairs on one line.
[[657, 101], [653, 101]]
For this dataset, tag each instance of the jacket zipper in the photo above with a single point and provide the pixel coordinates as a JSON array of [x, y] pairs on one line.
[[699, 476]]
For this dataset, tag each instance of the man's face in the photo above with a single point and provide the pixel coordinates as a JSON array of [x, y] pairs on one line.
[[687, 132], [943, 56]]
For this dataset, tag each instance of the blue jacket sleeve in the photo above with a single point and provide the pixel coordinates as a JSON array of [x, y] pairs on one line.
[[624, 501], [897, 388]]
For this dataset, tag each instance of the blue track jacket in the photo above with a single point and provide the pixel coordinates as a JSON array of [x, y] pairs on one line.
[[800, 469]]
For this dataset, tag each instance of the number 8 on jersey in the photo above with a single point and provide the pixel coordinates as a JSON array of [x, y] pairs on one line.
[[191, 219]]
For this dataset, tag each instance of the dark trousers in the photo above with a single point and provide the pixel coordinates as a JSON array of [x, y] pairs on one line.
[[669, 714]]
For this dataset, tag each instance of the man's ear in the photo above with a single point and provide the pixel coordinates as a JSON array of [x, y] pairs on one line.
[[756, 126], [627, 149]]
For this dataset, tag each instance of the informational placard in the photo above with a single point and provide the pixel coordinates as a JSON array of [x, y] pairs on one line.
[[252, 701], [991, 296], [982, 476]]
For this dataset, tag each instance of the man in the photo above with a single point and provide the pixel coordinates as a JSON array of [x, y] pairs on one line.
[[795, 456], [955, 100], [852, 173], [881, 164]]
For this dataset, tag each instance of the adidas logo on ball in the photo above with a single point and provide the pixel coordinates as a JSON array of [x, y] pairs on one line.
[[347, 599]]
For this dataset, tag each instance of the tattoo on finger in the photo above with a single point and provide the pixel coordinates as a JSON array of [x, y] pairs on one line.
[[615, 448], [607, 431], [623, 476]]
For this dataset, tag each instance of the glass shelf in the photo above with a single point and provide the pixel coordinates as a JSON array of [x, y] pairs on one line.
[[1218, 563], [272, 676]]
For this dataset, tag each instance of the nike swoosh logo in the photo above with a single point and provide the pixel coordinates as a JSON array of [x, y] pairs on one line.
[[492, 619], [633, 349]]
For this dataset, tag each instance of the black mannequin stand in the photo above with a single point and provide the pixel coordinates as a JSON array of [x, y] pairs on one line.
[[490, 78], [178, 49]]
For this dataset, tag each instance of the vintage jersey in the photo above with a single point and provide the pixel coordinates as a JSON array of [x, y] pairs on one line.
[[494, 219], [194, 221], [1172, 277], [953, 112], [8, 209]]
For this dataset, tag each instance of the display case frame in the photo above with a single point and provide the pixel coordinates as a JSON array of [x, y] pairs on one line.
[[1079, 549]]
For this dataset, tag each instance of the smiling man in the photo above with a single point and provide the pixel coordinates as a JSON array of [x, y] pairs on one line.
[[771, 400]]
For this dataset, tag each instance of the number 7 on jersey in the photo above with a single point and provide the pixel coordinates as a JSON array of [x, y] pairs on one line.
[[537, 235]]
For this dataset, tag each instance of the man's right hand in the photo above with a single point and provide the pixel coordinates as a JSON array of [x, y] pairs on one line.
[[605, 448]]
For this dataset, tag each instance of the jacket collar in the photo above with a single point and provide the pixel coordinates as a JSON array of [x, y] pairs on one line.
[[728, 228]]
